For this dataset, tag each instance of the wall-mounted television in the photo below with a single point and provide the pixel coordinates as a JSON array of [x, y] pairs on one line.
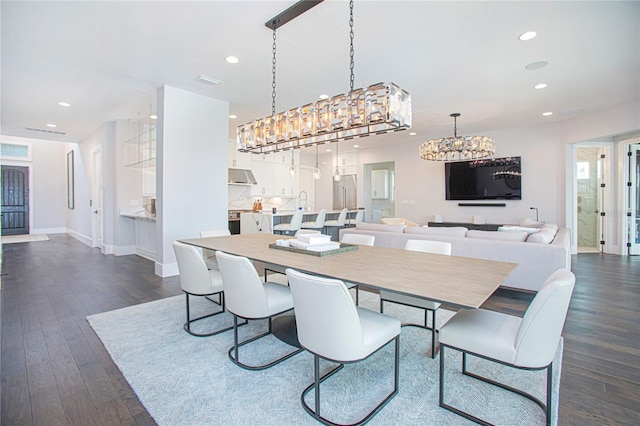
[[487, 179]]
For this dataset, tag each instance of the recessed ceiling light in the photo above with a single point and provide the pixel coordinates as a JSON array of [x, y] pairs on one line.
[[546, 114], [324, 96], [64, 104], [51, 125], [412, 134], [536, 65], [233, 116], [153, 117], [210, 80], [328, 150], [527, 36], [540, 86], [356, 146], [232, 59]]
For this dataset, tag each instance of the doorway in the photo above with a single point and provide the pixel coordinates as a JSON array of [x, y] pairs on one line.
[[15, 200], [588, 175], [379, 191], [96, 199], [633, 200]]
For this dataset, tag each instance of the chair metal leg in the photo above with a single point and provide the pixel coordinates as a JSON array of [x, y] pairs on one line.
[[546, 408], [187, 325], [234, 354], [434, 352], [318, 380]]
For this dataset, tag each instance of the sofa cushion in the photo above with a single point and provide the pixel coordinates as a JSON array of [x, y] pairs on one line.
[[544, 236], [453, 231], [552, 226], [497, 235], [365, 226], [397, 221]]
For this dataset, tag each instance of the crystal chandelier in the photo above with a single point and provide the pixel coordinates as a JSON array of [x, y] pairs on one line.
[[378, 109], [457, 147]]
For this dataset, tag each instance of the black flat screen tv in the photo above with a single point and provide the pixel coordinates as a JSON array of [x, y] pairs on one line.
[[490, 179]]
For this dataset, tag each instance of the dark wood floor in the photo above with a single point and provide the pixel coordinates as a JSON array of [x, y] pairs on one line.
[[55, 371]]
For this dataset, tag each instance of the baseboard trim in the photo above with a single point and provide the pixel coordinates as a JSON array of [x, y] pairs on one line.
[[124, 250], [80, 237], [48, 231], [168, 270]]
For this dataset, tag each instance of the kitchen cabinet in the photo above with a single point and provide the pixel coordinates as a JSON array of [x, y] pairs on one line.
[[237, 159], [272, 174], [379, 184]]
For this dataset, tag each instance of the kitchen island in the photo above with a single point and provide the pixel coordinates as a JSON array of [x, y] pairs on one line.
[[263, 221]]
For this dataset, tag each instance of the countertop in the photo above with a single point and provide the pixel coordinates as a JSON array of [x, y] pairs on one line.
[[137, 214]]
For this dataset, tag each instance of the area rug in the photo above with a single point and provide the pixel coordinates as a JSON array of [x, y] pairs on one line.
[[186, 380], [25, 238]]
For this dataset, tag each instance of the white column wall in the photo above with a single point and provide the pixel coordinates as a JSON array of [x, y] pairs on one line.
[[191, 169]]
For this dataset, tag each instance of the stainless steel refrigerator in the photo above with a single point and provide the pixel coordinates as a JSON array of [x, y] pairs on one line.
[[344, 193]]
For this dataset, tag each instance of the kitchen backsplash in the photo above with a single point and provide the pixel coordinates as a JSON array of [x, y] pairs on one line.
[[240, 198]]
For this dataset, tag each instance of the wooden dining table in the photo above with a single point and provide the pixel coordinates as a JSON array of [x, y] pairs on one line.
[[460, 281]]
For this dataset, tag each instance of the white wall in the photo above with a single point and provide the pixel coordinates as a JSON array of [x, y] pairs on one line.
[[191, 181]]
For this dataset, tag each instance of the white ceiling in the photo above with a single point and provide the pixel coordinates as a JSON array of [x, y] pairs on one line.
[[107, 59]]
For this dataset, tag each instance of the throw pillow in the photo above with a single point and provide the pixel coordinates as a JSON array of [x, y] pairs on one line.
[[506, 228], [544, 236], [531, 223], [397, 221]]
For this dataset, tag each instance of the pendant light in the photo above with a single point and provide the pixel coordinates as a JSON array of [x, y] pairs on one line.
[[377, 109], [292, 169], [316, 169], [457, 147], [336, 173]]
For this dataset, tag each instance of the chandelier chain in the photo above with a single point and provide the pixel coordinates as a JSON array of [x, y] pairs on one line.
[[273, 72], [351, 50], [455, 126]]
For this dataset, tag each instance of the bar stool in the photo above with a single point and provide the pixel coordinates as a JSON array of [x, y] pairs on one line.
[[294, 225], [318, 223], [359, 218], [339, 223]]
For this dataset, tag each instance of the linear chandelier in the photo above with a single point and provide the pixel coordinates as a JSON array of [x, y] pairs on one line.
[[378, 109], [457, 147]]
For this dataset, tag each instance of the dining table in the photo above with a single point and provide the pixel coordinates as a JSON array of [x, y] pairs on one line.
[[459, 281]]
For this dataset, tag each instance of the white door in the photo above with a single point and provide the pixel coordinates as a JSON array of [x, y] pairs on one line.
[[633, 203], [96, 199]]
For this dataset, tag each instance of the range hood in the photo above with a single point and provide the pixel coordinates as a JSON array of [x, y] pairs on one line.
[[241, 177]]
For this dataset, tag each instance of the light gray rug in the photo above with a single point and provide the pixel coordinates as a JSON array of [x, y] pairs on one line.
[[186, 380]]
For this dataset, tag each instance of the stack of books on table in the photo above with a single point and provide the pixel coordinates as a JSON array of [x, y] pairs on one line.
[[314, 242]]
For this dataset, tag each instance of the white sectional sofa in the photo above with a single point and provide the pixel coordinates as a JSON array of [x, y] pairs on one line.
[[537, 257]]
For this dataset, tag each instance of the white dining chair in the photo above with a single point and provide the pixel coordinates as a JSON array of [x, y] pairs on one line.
[[197, 280], [247, 297], [292, 226], [359, 239], [426, 246], [527, 343], [210, 255], [342, 334], [317, 224]]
